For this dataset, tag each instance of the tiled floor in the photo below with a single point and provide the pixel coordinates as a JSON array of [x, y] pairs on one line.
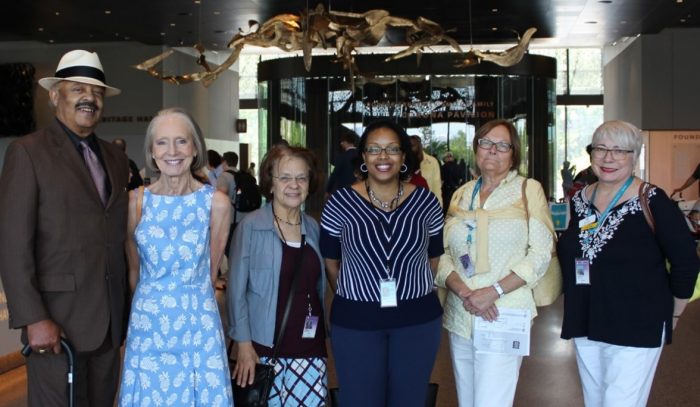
[[547, 378]]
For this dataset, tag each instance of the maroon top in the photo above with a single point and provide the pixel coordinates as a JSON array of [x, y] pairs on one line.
[[293, 345]]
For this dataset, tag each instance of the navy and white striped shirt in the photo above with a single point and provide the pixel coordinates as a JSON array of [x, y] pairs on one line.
[[364, 237]]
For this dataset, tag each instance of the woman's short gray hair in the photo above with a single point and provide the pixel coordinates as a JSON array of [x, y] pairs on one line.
[[200, 158], [622, 134]]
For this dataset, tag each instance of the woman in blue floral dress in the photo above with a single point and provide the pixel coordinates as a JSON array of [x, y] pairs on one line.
[[175, 349]]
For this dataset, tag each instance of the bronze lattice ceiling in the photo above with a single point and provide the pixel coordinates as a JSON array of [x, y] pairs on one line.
[[214, 22]]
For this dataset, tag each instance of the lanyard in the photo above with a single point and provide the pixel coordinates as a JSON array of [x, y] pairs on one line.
[[477, 187], [471, 227], [612, 204]]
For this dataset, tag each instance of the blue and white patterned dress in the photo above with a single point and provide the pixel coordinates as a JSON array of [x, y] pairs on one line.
[[175, 348]]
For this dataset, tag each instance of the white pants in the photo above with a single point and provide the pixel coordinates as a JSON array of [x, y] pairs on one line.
[[483, 379], [615, 376]]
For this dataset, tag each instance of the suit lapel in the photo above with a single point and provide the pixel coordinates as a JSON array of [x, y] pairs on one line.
[[110, 162]]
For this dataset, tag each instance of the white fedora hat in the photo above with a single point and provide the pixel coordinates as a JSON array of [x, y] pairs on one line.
[[80, 66]]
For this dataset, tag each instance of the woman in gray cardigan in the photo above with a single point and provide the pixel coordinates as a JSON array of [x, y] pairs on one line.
[[264, 256]]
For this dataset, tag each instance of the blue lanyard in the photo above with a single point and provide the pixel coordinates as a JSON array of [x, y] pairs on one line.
[[612, 203], [471, 228], [477, 187]]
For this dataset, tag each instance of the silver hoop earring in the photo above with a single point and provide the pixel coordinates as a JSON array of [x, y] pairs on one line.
[[404, 168], [363, 167]]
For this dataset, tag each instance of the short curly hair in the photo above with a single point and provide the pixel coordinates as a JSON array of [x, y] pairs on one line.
[[272, 159]]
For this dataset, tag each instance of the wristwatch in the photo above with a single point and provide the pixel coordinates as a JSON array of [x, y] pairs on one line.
[[498, 289]]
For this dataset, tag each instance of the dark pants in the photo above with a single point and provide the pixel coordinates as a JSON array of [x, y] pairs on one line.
[[95, 382], [385, 368]]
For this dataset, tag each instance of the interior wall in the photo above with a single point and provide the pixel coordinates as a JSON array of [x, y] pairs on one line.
[[672, 158], [653, 83], [215, 108], [622, 86]]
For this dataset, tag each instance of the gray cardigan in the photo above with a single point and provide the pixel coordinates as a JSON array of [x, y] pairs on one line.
[[255, 261]]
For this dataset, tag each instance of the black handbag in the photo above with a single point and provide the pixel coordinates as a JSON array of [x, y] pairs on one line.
[[257, 394]]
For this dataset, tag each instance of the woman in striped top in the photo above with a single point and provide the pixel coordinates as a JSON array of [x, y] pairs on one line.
[[381, 239]]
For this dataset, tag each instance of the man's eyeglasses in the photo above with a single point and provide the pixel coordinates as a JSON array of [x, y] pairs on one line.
[[389, 150], [616, 153], [286, 179], [487, 144]]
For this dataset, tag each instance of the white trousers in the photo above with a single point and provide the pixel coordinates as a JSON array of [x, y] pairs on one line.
[[615, 376], [483, 379]]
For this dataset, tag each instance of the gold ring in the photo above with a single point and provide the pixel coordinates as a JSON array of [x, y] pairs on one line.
[[42, 351]]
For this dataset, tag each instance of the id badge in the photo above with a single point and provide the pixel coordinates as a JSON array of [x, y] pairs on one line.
[[589, 222], [310, 325], [468, 265], [387, 290], [582, 269]]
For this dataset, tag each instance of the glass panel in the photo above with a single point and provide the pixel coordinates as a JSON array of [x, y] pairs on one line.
[[560, 55], [585, 71], [575, 126], [248, 76]]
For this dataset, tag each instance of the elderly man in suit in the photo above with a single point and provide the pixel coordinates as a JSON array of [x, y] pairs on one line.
[[63, 210]]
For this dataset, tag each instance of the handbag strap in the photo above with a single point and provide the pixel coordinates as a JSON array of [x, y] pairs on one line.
[[527, 211], [644, 203], [290, 298], [139, 202]]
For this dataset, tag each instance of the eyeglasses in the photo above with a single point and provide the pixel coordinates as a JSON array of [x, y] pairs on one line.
[[389, 150], [487, 144], [286, 179], [616, 153]]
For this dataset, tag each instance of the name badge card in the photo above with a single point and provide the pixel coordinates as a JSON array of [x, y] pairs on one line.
[[468, 265], [582, 269], [587, 223], [387, 290], [310, 325]]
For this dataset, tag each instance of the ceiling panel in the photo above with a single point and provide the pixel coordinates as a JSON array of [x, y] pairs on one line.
[[214, 22]]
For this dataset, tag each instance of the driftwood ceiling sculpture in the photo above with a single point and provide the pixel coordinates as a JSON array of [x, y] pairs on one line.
[[342, 30]]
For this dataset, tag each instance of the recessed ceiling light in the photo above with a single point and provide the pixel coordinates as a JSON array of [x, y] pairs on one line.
[[494, 10], [682, 20], [494, 28], [58, 13], [197, 1], [216, 13], [162, 34], [172, 24], [108, 11], [127, 38], [679, 1], [51, 41], [116, 34], [40, 29]]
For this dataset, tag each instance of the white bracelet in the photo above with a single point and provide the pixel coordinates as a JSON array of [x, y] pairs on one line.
[[499, 289]]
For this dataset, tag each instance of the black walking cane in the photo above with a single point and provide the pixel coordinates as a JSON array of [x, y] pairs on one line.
[[70, 355]]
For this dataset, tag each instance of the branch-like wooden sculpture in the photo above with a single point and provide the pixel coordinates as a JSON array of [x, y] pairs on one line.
[[509, 57], [344, 31]]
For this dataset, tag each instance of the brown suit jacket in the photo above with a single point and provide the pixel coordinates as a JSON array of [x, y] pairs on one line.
[[62, 251]]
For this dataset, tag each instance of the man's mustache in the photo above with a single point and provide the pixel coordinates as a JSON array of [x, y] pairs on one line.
[[90, 105]]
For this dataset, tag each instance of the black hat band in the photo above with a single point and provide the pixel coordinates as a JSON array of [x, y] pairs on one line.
[[86, 71]]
